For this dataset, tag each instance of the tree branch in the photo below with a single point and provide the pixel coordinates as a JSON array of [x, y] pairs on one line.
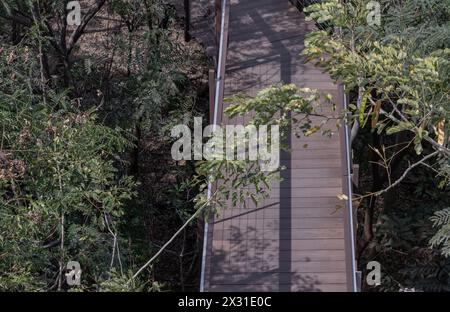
[[180, 230], [405, 173], [85, 20]]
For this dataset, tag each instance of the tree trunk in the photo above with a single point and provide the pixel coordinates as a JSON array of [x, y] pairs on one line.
[[15, 33], [377, 183], [135, 156]]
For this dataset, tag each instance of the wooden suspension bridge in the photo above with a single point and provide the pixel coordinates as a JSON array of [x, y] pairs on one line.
[[295, 240]]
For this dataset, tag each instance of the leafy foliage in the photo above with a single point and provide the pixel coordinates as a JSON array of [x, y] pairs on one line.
[[61, 195], [402, 81], [441, 219], [287, 107], [68, 107], [397, 76]]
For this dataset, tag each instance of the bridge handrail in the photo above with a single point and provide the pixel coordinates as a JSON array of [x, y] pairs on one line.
[[218, 102]]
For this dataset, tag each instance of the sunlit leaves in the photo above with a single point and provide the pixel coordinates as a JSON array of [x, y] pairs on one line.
[[400, 72]]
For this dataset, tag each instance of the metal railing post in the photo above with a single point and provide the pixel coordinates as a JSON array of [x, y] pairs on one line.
[[222, 26]]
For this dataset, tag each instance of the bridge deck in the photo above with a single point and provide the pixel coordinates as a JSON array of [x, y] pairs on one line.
[[294, 240]]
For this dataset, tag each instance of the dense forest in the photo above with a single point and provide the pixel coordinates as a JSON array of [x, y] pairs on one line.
[[88, 101], [86, 172]]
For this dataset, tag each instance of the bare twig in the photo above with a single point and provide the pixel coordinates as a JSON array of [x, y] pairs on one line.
[[180, 230], [405, 173], [115, 244]]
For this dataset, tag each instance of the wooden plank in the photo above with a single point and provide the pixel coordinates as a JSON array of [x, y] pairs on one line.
[[270, 254], [305, 223], [275, 213], [316, 146], [257, 227], [241, 53], [235, 234], [277, 266], [304, 202], [322, 139], [301, 192], [253, 31], [317, 163], [297, 66], [316, 172], [320, 189], [316, 182], [251, 4], [274, 278], [306, 153], [273, 244], [275, 287]]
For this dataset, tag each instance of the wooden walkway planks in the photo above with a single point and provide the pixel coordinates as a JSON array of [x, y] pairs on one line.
[[294, 240]]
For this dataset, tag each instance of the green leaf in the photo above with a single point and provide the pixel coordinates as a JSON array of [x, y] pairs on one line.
[[401, 126]]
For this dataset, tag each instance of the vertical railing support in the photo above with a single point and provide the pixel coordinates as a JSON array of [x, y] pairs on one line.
[[347, 177], [217, 20], [212, 91]]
